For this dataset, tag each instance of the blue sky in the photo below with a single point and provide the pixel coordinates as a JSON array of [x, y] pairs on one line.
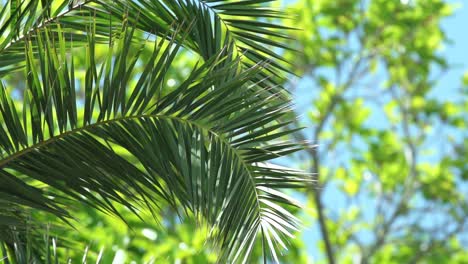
[[455, 28]]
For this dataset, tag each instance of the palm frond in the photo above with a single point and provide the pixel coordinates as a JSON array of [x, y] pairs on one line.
[[249, 26], [204, 147], [217, 24]]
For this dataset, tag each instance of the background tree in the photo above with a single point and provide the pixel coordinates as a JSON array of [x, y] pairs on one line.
[[391, 160]]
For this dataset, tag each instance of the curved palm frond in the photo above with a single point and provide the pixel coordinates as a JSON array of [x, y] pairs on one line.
[[247, 25], [204, 147]]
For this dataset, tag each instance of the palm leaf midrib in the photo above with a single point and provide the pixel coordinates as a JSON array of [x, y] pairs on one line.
[[4, 162], [44, 24], [212, 9]]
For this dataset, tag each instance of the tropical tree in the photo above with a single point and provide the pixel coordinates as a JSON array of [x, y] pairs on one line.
[[88, 119]]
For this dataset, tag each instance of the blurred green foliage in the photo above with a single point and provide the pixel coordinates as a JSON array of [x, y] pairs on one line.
[[391, 160]]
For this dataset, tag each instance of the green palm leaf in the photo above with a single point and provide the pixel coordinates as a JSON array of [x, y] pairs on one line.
[[203, 147]]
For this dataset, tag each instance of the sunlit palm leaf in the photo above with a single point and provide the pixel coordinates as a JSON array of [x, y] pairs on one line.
[[203, 147], [217, 23]]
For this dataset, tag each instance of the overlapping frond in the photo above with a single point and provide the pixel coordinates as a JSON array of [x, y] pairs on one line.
[[119, 137], [251, 27]]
